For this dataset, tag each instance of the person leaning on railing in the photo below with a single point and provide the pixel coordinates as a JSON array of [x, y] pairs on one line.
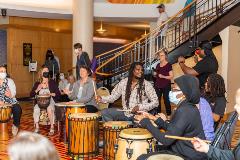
[[216, 153]]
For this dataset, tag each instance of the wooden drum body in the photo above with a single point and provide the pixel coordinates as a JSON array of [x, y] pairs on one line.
[[111, 132], [164, 157], [71, 108], [5, 116], [134, 142], [83, 135], [43, 101]]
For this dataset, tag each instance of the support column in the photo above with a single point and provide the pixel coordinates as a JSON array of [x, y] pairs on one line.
[[83, 26], [230, 63]]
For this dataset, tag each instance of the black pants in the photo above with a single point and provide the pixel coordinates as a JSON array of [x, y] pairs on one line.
[[112, 114], [64, 98], [165, 93], [17, 112], [91, 109]]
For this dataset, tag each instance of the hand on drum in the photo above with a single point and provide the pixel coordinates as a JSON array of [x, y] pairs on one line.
[[135, 109], [161, 115], [199, 145], [70, 102], [8, 93], [52, 94], [147, 115], [98, 99], [138, 118], [1, 102]]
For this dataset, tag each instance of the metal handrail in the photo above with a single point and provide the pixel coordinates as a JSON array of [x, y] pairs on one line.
[[205, 12]]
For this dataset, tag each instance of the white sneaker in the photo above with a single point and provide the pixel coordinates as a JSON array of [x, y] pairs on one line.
[[36, 130], [14, 130]]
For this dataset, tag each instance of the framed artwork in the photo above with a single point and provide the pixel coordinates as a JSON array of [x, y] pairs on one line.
[[27, 53]]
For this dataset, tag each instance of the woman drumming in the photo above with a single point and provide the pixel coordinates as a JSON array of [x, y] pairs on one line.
[[45, 86], [83, 90], [7, 95]]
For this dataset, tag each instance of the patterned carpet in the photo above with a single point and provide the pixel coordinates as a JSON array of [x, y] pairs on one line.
[[27, 124]]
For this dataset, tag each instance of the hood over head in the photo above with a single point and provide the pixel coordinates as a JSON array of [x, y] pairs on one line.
[[189, 85]]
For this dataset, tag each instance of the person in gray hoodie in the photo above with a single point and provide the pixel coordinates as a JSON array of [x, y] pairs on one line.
[[83, 90]]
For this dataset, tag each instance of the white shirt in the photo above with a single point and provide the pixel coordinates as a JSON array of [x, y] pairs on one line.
[[149, 98], [163, 18], [62, 84], [80, 92], [12, 87]]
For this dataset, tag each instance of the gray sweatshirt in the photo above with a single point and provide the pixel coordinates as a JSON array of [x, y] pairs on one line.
[[87, 96]]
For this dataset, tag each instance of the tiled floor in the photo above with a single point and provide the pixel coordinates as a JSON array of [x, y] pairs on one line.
[[27, 124]]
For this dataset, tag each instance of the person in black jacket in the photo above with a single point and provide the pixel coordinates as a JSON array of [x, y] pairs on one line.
[[216, 153], [186, 120], [82, 58]]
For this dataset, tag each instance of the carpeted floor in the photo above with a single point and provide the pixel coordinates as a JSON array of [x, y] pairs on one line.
[[27, 124]]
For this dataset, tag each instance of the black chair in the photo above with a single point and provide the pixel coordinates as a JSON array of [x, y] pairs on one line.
[[224, 133]]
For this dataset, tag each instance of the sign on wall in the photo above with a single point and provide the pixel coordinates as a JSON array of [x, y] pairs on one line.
[[27, 53]]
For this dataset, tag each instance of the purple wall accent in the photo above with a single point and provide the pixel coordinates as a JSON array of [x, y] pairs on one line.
[[3, 47], [99, 48]]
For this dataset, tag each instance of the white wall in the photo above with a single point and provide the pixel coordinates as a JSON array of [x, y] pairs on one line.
[[231, 62]]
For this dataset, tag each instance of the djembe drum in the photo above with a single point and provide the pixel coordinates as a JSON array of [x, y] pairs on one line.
[[69, 108], [5, 116], [83, 135], [164, 156], [43, 101], [111, 131], [133, 142]]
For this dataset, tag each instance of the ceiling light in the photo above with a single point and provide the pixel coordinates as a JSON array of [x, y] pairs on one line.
[[101, 30]]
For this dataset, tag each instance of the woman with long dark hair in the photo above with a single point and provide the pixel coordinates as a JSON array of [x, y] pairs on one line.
[[214, 93], [51, 63]]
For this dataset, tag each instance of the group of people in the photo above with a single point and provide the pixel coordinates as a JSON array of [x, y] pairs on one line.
[[199, 97]]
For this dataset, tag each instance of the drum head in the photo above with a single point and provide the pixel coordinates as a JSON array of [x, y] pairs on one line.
[[83, 115], [5, 105], [135, 133], [116, 124], [43, 96], [165, 157], [67, 104]]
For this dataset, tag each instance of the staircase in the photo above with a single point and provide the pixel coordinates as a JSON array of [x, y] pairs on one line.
[[200, 20]]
